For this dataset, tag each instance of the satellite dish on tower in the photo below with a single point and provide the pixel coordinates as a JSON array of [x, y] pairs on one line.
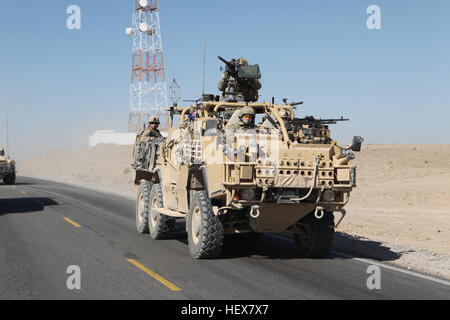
[[143, 27], [130, 32], [143, 3]]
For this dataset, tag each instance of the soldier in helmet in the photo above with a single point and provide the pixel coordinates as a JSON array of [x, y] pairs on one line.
[[147, 135], [223, 84], [246, 122], [251, 86], [246, 119], [243, 62], [152, 131], [243, 89]]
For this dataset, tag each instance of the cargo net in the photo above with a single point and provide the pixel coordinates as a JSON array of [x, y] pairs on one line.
[[188, 150], [192, 151]]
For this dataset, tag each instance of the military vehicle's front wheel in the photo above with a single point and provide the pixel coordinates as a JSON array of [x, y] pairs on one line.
[[10, 179], [205, 230], [316, 238], [143, 207], [159, 224]]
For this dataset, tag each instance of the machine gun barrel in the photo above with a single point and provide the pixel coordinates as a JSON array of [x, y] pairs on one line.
[[230, 66], [224, 61], [315, 122]]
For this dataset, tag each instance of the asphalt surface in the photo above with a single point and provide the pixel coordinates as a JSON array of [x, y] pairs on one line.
[[46, 227]]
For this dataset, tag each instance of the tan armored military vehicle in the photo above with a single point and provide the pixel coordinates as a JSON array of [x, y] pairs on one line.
[[282, 175], [7, 169]]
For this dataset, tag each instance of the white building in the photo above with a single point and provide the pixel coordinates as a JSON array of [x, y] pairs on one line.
[[112, 137]]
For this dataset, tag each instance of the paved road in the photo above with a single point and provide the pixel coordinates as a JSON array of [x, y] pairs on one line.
[[45, 227]]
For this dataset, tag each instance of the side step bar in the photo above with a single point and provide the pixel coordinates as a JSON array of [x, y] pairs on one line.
[[170, 213]]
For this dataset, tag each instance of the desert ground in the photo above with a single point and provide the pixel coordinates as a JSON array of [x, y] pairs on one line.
[[402, 201]]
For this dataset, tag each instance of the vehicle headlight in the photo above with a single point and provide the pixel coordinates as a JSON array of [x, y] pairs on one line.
[[329, 196]]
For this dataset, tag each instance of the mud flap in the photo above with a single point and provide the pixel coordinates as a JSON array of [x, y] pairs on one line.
[[279, 217]]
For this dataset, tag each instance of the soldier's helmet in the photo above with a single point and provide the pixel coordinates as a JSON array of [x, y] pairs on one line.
[[154, 120], [243, 62], [247, 111], [247, 116]]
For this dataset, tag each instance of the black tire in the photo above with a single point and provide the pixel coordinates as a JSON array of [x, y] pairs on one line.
[[205, 231], [159, 225], [143, 207], [10, 179], [317, 237]]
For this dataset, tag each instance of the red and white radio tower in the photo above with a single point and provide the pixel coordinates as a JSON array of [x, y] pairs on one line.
[[148, 81]]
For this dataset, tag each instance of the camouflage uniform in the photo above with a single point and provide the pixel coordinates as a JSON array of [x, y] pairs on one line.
[[240, 126], [248, 89], [149, 134]]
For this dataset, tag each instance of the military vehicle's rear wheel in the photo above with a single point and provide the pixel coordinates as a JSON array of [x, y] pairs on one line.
[[205, 231], [159, 224], [10, 179], [316, 239], [143, 207]]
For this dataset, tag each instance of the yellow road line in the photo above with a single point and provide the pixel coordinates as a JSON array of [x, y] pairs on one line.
[[73, 223], [14, 187], [168, 284], [23, 192]]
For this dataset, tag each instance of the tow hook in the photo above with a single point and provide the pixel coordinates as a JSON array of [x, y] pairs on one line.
[[319, 214], [255, 212]]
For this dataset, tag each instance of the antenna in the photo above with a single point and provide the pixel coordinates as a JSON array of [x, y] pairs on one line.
[[7, 138], [204, 66], [175, 92]]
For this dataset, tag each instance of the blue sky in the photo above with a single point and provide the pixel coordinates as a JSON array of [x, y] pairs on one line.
[[59, 86]]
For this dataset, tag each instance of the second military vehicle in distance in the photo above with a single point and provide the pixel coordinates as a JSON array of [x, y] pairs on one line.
[[7, 169], [226, 175]]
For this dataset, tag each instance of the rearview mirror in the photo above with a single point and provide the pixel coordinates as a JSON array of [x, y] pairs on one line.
[[357, 142]]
